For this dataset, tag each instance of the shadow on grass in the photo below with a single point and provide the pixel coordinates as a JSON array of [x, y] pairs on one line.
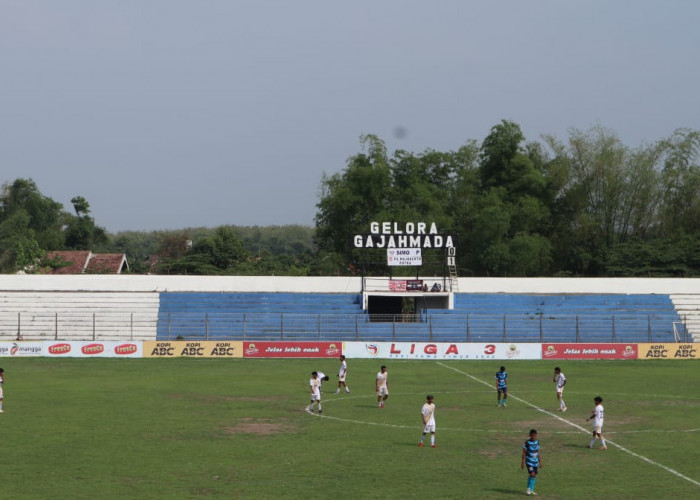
[[507, 491]]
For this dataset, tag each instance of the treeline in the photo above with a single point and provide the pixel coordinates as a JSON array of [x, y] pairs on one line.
[[32, 224], [587, 206]]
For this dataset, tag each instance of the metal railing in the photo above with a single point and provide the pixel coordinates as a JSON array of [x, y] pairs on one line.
[[436, 327], [433, 327]]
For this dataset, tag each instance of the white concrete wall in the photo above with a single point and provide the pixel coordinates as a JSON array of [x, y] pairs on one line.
[[134, 283]]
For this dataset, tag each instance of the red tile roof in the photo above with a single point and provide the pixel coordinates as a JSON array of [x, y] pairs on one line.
[[84, 261], [106, 263]]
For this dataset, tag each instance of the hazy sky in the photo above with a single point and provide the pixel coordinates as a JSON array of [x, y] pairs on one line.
[[166, 114]]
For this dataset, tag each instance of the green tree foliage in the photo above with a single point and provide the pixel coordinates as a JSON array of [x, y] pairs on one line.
[[590, 206], [46, 216], [19, 248], [81, 233]]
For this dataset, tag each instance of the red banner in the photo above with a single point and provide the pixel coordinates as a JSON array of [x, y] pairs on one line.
[[292, 349], [589, 351], [397, 285]]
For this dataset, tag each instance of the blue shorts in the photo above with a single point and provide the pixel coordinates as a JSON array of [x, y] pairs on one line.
[[502, 389], [532, 469]]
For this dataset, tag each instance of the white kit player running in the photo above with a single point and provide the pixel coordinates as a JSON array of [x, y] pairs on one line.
[[342, 374], [598, 414], [428, 415], [560, 380]]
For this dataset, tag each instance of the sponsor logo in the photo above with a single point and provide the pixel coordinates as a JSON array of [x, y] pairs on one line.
[[222, 349], [59, 349], [551, 351], [192, 349], [163, 349], [125, 349], [673, 351], [14, 349], [512, 351], [251, 350], [92, 349], [333, 350], [373, 349], [629, 352]]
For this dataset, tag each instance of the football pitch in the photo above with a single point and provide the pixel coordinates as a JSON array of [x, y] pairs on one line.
[[215, 428]]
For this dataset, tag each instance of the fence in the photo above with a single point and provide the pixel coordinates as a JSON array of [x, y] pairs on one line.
[[437, 327], [431, 328], [84, 326]]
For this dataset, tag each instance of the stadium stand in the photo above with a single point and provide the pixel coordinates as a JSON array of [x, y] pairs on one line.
[[123, 307], [51, 315], [475, 318]]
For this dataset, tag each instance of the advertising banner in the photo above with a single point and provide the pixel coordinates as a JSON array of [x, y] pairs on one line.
[[668, 351], [88, 349], [404, 257], [194, 349], [12, 349], [441, 350], [397, 285], [292, 349], [589, 351]]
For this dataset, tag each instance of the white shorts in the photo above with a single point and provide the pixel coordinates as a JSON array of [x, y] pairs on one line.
[[429, 428], [316, 396], [0, 391], [383, 391], [598, 428], [341, 378], [560, 391]]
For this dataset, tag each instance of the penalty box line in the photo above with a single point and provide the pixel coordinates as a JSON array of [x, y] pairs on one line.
[[568, 422]]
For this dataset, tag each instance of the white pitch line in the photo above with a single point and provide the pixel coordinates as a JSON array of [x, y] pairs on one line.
[[568, 422]]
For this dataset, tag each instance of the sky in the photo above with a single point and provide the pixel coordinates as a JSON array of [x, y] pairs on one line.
[[168, 114]]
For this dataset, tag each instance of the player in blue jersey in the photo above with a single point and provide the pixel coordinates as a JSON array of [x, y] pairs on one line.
[[502, 385], [532, 459]]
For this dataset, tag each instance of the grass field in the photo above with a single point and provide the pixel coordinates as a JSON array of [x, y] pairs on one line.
[[186, 428]]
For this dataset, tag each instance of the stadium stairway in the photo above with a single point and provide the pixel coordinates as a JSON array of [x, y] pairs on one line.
[[688, 307]]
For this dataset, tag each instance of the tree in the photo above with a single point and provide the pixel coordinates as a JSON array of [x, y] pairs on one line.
[[19, 248], [46, 216], [81, 233], [511, 212]]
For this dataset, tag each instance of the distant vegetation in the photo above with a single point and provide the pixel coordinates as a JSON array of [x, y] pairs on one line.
[[589, 206]]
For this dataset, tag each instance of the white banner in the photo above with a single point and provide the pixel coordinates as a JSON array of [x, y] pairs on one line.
[[11, 349], [441, 350], [404, 257], [73, 349]]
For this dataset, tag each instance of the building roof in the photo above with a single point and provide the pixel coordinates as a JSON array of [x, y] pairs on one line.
[[86, 262]]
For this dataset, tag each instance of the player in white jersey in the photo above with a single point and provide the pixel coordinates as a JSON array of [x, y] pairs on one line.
[[315, 386], [560, 380], [342, 373], [382, 386], [2, 381], [428, 415], [597, 414]]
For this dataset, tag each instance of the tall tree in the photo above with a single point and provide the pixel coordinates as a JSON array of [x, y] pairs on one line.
[[81, 231], [46, 216]]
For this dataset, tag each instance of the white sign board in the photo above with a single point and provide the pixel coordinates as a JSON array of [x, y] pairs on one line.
[[404, 257], [441, 350]]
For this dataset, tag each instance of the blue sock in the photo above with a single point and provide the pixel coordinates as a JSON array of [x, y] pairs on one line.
[[504, 400], [530, 483]]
